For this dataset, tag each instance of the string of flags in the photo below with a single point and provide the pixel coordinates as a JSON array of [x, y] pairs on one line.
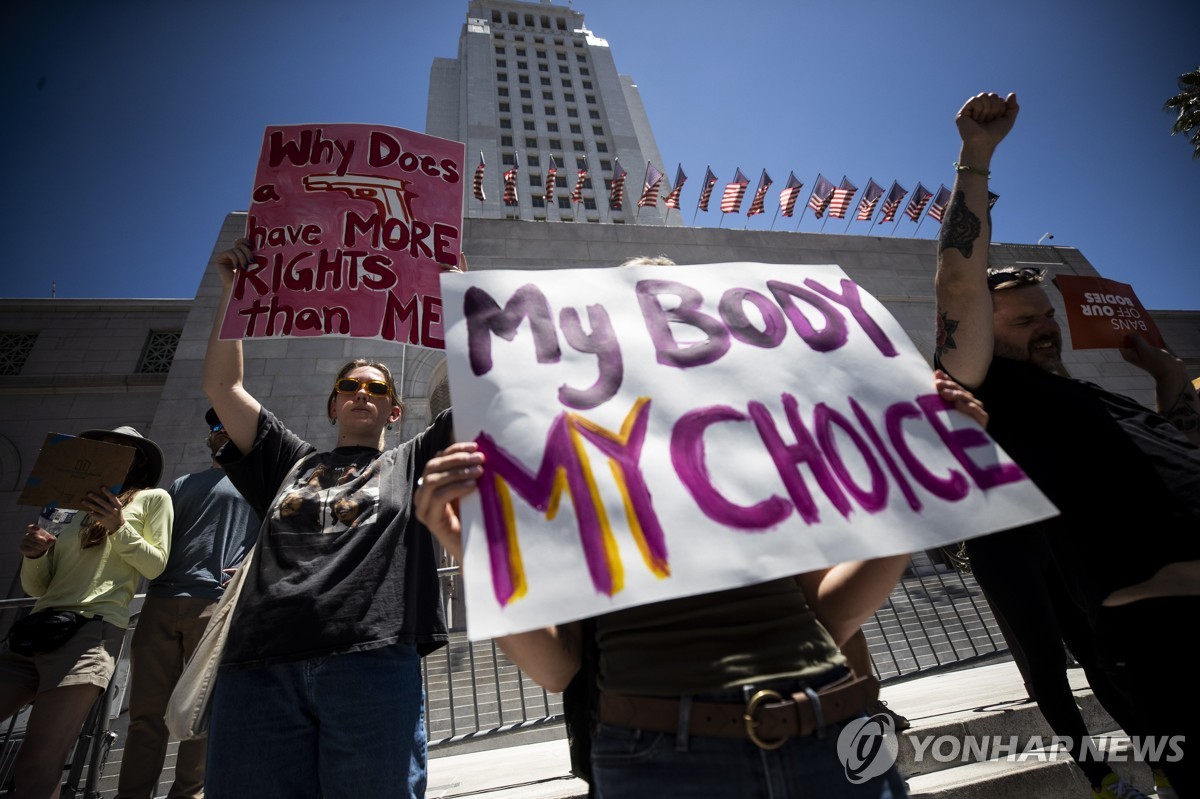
[[826, 200]]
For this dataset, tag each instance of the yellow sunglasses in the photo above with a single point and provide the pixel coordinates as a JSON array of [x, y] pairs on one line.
[[351, 385]]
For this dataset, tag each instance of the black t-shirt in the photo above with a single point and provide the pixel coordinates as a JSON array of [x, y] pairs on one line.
[[1126, 480], [342, 565]]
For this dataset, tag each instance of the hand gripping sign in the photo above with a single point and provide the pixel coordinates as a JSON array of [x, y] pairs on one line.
[[656, 432], [351, 226]]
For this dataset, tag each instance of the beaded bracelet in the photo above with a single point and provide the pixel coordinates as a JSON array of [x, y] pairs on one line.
[[972, 169]]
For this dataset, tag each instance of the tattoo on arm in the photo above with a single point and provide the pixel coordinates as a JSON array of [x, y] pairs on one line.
[[945, 335], [961, 227], [1184, 413]]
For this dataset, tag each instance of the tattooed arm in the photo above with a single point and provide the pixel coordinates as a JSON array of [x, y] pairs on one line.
[[964, 305], [1173, 393]]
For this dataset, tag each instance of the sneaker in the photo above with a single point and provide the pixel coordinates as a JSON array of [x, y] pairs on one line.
[[879, 706], [1114, 787], [1162, 786]]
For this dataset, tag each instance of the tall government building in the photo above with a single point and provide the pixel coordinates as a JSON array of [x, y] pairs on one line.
[[530, 81]]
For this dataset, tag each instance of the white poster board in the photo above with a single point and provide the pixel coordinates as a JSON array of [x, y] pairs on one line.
[[662, 431]]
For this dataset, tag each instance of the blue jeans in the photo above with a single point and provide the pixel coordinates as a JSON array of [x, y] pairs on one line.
[[349, 725], [628, 762]]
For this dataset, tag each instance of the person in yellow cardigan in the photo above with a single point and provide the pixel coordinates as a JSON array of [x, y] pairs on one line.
[[87, 561]]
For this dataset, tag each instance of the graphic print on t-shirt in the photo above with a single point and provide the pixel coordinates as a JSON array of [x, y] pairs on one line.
[[329, 498]]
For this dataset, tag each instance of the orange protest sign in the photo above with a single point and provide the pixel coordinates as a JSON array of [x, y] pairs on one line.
[[1102, 313]]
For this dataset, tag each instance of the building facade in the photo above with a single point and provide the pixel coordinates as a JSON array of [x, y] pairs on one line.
[[531, 83]]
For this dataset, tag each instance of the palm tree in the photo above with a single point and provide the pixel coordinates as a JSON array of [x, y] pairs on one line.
[[1187, 105]]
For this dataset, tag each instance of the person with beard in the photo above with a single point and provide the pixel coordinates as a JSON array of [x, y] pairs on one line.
[[214, 529], [1125, 479]]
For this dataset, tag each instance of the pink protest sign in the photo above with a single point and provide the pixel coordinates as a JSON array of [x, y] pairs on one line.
[[351, 226]]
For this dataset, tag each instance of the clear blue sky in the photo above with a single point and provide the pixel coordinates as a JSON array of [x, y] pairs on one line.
[[133, 127]]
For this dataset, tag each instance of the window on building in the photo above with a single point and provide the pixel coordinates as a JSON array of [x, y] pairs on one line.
[[570, 98], [14, 351], [496, 18], [500, 62], [572, 111], [556, 144], [559, 42], [601, 147], [597, 130], [560, 181], [530, 141], [593, 113], [587, 84], [549, 110], [564, 69], [538, 201], [547, 95], [507, 159], [502, 77], [545, 81], [512, 18], [591, 99], [533, 159], [561, 56], [529, 21], [545, 22], [526, 108], [584, 71], [581, 58], [606, 165], [589, 204], [522, 65], [525, 94], [575, 128], [506, 124], [564, 202], [158, 352], [529, 125], [499, 49], [587, 182], [504, 108], [578, 143], [520, 51], [506, 141], [552, 127], [540, 40], [535, 179], [543, 67], [566, 82], [523, 79], [502, 91]]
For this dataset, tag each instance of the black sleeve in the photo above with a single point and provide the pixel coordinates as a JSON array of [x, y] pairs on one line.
[[433, 440], [258, 473]]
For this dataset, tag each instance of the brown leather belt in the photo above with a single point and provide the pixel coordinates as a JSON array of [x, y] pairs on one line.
[[768, 718]]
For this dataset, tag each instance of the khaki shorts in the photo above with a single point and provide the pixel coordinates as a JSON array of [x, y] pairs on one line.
[[88, 658]]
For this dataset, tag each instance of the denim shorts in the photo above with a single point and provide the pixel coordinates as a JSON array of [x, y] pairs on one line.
[[629, 762], [347, 725]]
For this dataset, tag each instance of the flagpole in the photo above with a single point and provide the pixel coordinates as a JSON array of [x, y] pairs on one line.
[[774, 218], [722, 219], [914, 235], [848, 221]]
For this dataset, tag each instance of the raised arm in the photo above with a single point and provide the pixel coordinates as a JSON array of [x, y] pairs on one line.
[[1173, 393], [550, 655], [222, 382], [844, 596], [964, 307]]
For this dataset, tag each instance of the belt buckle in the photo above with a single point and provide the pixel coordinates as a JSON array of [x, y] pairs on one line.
[[751, 707]]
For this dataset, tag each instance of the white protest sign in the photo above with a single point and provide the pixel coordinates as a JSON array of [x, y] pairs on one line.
[[662, 431]]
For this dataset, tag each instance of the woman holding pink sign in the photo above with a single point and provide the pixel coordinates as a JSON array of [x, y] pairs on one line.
[[319, 690]]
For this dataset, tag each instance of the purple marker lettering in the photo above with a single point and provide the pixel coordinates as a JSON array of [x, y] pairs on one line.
[[601, 342], [952, 488], [889, 461], [959, 441], [740, 327], [485, 318], [831, 336], [788, 457], [658, 325], [824, 420], [853, 300]]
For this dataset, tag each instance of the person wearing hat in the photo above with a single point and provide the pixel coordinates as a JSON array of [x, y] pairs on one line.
[[86, 561], [214, 529]]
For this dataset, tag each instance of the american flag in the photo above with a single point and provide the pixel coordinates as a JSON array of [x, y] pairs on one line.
[[895, 196], [870, 198], [654, 177], [940, 200], [842, 195], [787, 197], [477, 185], [916, 205], [731, 200], [510, 183], [764, 183], [710, 180], [617, 195], [551, 176], [580, 178], [818, 201], [672, 199]]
